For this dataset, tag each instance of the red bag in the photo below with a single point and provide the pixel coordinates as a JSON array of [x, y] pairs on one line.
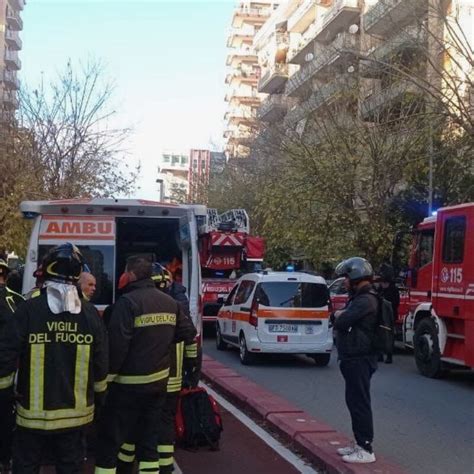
[[198, 419]]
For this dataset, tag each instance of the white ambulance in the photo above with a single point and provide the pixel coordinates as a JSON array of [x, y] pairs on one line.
[[108, 231]]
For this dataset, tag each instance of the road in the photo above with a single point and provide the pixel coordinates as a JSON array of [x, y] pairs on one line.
[[423, 425]]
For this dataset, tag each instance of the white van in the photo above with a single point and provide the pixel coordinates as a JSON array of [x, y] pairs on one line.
[[277, 312], [108, 231]]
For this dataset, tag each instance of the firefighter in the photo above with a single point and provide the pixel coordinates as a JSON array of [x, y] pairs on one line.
[[60, 347], [39, 282], [183, 356], [143, 326], [9, 300]]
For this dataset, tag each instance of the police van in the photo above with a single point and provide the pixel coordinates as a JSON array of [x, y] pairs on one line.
[[277, 312], [108, 231]]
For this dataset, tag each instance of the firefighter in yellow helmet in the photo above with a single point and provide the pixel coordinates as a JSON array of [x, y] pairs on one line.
[[9, 300], [183, 357], [59, 345]]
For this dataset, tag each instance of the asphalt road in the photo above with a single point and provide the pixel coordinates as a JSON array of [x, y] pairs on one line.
[[422, 424]]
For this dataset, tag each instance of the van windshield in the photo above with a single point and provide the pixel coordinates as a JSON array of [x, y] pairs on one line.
[[285, 294]]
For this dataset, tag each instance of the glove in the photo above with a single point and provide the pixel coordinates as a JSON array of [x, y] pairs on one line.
[[191, 373]]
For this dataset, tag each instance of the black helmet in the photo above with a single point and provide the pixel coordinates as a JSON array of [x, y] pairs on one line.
[[386, 273], [4, 268], [355, 268], [63, 263], [161, 276]]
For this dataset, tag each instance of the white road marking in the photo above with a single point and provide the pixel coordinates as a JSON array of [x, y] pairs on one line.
[[281, 450], [177, 470]]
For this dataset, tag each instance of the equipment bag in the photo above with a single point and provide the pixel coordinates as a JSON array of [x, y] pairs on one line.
[[198, 420], [384, 331]]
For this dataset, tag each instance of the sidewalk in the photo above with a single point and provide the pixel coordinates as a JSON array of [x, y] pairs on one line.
[[317, 441]]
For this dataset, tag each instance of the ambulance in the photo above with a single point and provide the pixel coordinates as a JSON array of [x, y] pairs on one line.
[[108, 231]]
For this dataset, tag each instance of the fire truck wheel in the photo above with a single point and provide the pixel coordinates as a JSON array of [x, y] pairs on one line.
[[321, 360], [246, 357], [427, 353], [220, 344]]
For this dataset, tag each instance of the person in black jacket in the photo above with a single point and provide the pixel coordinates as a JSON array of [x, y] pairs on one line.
[[143, 325], [355, 326], [9, 300], [59, 345]]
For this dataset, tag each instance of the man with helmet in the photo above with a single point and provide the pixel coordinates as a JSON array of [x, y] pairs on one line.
[[59, 345], [355, 326], [183, 356], [143, 324], [9, 300]]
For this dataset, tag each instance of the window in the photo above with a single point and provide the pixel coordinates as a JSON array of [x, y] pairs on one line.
[[425, 250], [203, 164], [166, 158], [454, 236], [175, 160], [231, 296], [338, 288], [287, 294], [244, 292]]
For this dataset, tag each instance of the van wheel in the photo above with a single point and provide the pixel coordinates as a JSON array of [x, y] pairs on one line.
[[246, 357], [220, 344], [426, 348], [321, 360]]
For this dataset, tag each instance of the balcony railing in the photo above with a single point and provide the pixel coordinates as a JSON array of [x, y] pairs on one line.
[[344, 44], [13, 39], [252, 12], [342, 13], [343, 84], [14, 20], [386, 14], [10, 80], [386, 99], [12, 60], [274, 107], [411, 37], [302, 17], [274, 79], [247, 53]]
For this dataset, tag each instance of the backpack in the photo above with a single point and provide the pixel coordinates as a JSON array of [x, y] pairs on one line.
[[384, 334], [198, 420]]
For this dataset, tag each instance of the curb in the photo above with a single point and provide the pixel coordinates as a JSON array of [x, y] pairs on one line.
[[315, 439]]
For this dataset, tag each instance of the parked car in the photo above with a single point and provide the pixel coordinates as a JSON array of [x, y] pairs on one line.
[[277, 312]]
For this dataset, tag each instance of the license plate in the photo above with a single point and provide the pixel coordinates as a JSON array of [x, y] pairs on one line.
[[293, 328], [309, 330]]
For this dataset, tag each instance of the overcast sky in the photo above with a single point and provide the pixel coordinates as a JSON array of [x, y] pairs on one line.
[[167, 59]]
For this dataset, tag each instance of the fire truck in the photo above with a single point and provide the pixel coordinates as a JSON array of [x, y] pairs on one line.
[[439, 324], [226, 251]]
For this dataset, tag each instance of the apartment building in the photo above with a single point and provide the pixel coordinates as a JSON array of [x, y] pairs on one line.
[[202, 165], [243, 75], [173, 171], [312, 52], [10, 44]]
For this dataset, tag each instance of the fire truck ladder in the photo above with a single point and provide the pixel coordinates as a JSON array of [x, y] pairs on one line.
[[234, 219]]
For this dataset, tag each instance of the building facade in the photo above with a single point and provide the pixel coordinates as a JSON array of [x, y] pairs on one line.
[[173, 171], [243, 97], [10, 45], [202, 165]]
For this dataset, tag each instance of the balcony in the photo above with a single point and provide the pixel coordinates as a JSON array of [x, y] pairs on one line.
[[274, 79], [325, 94], [242, 54], [13, 20], [240, 116], [10, 100], [13, 40], [387, 15], [250, 15], [410, 38], [302, 17], [12, 60], [344, 46], [390, 100], [243, 97], [274, 107], [339, 17], [11, 80], [245, 77], [237, 36]]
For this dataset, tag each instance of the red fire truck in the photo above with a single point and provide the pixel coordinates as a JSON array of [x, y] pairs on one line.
[[439, 325], [226, 250]]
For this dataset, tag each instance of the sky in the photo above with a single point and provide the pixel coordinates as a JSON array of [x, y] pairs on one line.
[[166, 58]]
